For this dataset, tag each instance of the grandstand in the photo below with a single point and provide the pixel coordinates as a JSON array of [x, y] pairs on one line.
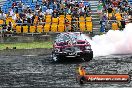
[[45, 16]]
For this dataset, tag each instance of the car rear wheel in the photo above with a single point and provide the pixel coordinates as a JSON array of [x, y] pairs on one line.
[[88, 57], [55, 58], [91, 55]]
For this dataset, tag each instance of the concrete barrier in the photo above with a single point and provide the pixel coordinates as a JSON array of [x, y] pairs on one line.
[[22, 52], [23, 39]]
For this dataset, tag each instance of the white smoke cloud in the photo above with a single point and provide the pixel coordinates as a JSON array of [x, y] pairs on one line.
[[113, 42]]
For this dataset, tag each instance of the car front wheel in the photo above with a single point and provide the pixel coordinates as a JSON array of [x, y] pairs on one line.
[[55, 58], [88, 57]]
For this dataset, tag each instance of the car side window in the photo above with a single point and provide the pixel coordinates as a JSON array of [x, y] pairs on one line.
[[66, 38]]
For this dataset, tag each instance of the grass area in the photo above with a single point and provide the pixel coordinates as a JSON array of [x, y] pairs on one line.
[[26, 45]]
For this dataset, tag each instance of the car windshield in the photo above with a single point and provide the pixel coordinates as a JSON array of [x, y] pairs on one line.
[[63, 38], [76, 37], [69, 37]]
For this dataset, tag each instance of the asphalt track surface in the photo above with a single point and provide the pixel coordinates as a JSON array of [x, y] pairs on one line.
[[39, 71]]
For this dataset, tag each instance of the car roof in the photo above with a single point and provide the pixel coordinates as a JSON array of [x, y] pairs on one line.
[[69, 36]]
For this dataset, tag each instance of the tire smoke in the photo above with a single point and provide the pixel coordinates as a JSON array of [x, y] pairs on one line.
[[113, 42]]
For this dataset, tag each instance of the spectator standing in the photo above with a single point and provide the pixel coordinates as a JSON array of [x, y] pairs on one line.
[[73, 24], [123, 23], [32, 19], [9, 27], [67, 25], [102, 28], [4, 29], [99, 9], [87, 10]]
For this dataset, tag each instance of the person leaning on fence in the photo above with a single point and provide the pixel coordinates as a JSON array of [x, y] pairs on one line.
[[4, 29], [9, 27], [123, 23], [67, 25], [102, 28], [74, 24]]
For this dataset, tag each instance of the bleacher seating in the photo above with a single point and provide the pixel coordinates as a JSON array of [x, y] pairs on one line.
[[18, 29], [130, 1], [51, 23]]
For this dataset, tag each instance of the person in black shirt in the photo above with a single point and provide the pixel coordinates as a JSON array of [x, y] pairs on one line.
[[24, 22], [74, 24], [110, 9], [32, 19], [9, 27], [19, 21], [123, 23], [4, 29]]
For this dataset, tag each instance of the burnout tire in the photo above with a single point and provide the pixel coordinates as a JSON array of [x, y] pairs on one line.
[[89, 56], [55, 57]]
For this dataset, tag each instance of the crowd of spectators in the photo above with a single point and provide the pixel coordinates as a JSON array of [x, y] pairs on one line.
[[54, 8], [108, 9], [27, 14]]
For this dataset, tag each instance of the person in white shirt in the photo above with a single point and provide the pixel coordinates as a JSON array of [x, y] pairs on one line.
[[11, 12], [2, 16], [14, 16], [49, 11]]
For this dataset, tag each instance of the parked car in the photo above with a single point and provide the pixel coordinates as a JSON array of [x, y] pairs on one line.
[[71, 44]]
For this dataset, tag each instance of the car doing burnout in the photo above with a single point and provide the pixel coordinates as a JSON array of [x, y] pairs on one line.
[[71, 44]]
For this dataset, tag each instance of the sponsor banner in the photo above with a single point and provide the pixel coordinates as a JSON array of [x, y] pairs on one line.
[[108, 78]]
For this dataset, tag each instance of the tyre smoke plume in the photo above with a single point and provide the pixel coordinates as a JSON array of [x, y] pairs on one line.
[[113, 42]]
